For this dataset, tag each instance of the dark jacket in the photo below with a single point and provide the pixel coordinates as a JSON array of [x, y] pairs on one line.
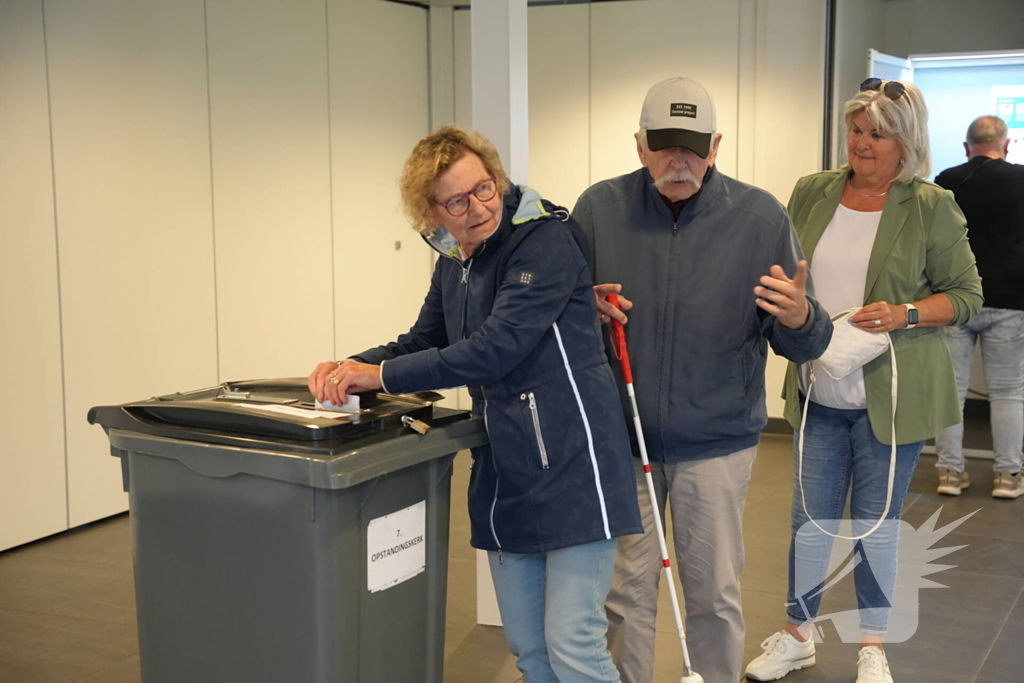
[[992, 199], [698, 342], [517, 323]]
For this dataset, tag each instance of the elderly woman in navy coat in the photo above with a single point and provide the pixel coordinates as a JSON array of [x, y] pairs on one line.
[[511, 314]]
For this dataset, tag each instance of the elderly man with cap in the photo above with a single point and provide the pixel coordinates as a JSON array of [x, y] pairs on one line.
[[712, 273]]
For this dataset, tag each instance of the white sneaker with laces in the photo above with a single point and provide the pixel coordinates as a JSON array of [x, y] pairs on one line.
[[782, 653], [872, 666]]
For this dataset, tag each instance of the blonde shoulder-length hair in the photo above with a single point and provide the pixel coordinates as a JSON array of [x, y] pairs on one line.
[[431, 157], [905, 118]]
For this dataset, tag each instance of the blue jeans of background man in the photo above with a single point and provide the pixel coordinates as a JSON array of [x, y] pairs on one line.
[[1001, 331], [552, 607], [842, 454]]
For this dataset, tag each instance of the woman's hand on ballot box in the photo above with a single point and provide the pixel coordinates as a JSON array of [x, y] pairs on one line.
[[331, 381]]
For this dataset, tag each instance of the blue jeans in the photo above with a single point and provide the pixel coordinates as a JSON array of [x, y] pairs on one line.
[[1002, 348], [840, 450], [552, 606]]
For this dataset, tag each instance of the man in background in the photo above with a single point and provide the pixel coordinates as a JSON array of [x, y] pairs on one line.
[[990, 191]]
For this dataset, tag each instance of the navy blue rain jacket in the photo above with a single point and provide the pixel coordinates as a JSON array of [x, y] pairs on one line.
[[518, 325]]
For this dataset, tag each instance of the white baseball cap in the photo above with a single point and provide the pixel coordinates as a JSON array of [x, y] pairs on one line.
[[679, 112]]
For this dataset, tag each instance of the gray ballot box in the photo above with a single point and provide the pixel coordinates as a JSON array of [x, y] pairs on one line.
[[275, 543]]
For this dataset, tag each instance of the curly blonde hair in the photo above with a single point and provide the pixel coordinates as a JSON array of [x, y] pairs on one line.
[[431, 158], [905, 118]]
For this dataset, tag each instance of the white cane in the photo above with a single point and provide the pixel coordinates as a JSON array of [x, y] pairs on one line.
[[622, 353]]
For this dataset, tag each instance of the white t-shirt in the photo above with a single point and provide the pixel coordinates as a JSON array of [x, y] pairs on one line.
[[840, 270]]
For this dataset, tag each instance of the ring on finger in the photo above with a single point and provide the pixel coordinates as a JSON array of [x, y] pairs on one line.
[[878, 323], [334, 379]]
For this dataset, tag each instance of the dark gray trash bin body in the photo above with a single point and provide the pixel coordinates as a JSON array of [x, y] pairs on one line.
[[250, 563]]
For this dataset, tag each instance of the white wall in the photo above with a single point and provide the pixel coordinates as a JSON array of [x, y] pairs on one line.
[[788, 116], [33, 502], [221, 204], [131, 178], [379, 109], [591, 65], [270, 146]]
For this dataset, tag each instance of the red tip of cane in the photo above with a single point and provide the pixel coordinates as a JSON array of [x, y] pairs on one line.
[[667, 563], [647, 468]]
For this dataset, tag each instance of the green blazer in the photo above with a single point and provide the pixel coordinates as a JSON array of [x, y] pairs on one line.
[[921, 248]]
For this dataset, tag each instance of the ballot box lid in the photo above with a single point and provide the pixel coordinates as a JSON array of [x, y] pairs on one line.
[[271, 428], [276, 413]]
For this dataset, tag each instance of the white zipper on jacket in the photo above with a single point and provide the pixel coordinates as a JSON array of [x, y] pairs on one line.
[[536, 429]]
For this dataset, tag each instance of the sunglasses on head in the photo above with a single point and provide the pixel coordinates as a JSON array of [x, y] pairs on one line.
[[892, 89]]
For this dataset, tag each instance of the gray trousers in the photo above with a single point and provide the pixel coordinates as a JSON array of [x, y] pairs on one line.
[[707, 498]]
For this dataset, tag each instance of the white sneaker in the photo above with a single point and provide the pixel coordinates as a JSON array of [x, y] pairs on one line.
[[872, 667], [782, 653]]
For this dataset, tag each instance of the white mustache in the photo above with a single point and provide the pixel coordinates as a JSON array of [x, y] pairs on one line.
[[682, 176]]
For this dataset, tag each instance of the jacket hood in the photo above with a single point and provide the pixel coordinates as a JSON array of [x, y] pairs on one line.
[[520, 205]]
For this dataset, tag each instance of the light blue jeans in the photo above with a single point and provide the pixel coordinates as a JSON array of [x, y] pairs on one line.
[[552, 607], [842, 456], [1002, 347]]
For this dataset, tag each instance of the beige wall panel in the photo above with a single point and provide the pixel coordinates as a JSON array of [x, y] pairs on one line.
[[464, 68], [131, 166], [271, 184], [746, 90], [559, 54], [33, 501], [380, 108], [636, 44], [441, 45], [790, 49]]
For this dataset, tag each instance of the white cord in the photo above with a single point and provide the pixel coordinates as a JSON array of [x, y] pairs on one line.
[[892, 456]]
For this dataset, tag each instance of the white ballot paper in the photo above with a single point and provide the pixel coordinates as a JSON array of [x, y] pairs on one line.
[[297, 412], [396, 547], [351, 404]]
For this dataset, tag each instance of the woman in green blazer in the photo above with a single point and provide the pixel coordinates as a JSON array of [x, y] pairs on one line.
[[880, 239]]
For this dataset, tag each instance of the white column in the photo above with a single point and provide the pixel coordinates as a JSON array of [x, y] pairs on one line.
[[501, 112], [442, 66], [500, 97]]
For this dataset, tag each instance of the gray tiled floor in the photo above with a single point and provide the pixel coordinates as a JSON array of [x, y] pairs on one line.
[[67, 606]]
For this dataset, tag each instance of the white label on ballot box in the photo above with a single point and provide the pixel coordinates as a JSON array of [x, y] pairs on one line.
[[396, 547]]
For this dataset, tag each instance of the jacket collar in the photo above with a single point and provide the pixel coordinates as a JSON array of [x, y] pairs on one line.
[[894, 217]]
